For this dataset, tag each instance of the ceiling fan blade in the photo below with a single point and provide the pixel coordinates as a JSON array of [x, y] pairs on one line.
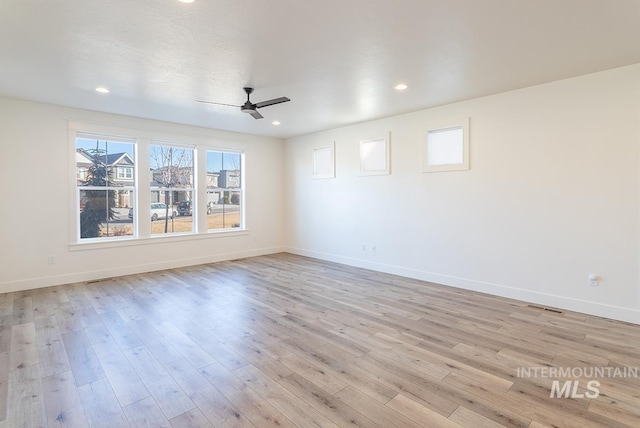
[[249, 107], [256, 115], [272, 102], [218, 104]]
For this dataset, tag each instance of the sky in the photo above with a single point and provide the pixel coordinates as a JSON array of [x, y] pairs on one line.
[[104, 146]]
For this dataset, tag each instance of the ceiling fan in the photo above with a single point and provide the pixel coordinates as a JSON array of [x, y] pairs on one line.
[[248, 106]]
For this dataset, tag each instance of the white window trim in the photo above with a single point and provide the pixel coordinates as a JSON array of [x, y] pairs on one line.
[[442, 126], [324, 162], [125, 241], [75, 193], [144, 138], [194, 185], [242, 189], [384, 142]]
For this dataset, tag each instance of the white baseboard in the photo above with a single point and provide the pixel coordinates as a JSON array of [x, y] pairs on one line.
[[48, 281], [583, 306]]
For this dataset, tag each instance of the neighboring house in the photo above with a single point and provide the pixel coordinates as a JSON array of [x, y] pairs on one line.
[[174, 178], [229, 179], [121, 167], [219, 184], [83, 163], [212, 180], [214, 194], [225, 181]]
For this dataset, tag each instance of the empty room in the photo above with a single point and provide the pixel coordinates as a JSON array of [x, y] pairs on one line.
[[281, 213]]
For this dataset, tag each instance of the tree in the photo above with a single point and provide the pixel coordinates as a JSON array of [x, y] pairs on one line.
[[98, 204], [173, 169]]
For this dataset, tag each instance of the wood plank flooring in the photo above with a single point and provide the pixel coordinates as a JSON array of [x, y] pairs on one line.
[[288, 341]]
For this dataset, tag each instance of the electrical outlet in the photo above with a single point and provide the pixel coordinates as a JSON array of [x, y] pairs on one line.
[[51, 260], [594, 280]]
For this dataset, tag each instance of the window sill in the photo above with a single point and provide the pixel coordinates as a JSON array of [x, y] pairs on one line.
[[127, 242]]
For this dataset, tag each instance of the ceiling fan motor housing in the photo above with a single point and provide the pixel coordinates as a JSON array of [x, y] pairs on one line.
[[248, 107]]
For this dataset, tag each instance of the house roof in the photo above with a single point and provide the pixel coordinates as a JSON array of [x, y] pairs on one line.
[[117, 158], [337, 61], [82, 157]]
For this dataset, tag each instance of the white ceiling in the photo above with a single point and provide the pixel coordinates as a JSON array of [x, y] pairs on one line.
[[338, 60]]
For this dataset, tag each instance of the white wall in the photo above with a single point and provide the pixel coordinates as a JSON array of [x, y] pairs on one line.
[[35, 213], [552, 196]]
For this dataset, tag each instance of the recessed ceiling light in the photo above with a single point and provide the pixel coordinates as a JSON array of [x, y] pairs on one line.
[[102, 90], [186, 1], [275, 122], [401, 87]]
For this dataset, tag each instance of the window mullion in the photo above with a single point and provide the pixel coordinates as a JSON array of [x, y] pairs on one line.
[[143, 178], [201, 196]]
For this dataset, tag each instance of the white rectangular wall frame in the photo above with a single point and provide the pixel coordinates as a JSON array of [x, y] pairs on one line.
[[374, 156], [324, 162], [446, 148]]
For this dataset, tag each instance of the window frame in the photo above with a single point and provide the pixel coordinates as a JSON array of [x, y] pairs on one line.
[[192, 189], [241, 189], [143, 139], [324, 162], [81, 172], [127, 173], [80, 188], [369, 148], [462, 124]]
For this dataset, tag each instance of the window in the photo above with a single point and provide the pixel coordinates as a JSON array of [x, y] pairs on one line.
[[81, 173], [103, 203], [446, 149], [125, 173], [374, 156], [172, 182], [134, 185], [324, 162], [224, 190]]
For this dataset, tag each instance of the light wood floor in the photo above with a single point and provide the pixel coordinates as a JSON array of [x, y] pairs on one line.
[[282, 341]]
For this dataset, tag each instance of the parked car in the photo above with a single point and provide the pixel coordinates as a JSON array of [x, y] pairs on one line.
[[185, 208], [158, 211]]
